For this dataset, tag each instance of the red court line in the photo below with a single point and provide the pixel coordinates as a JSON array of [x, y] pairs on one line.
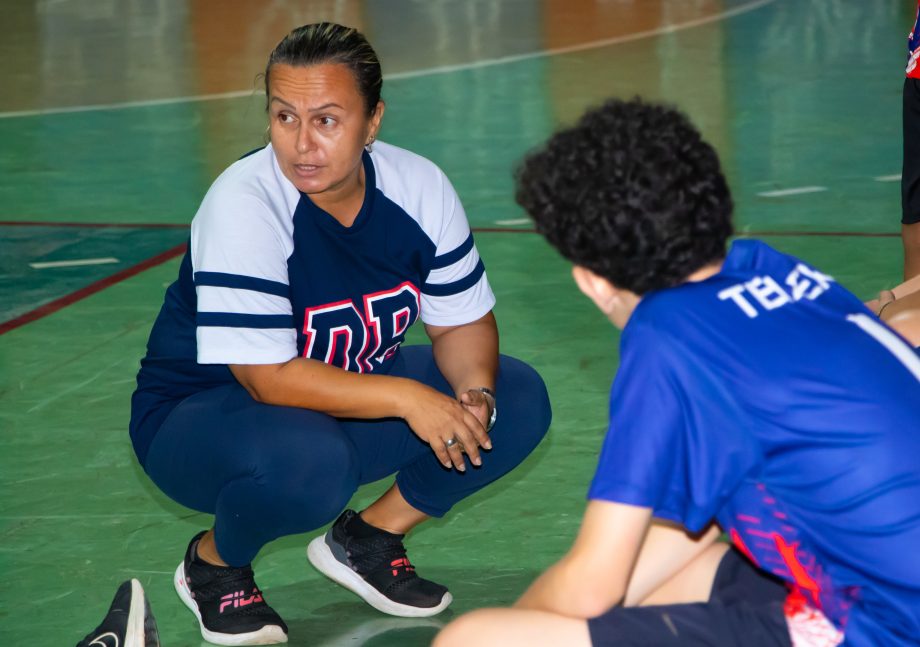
[[92, 288], [486, 230], [830, 234]]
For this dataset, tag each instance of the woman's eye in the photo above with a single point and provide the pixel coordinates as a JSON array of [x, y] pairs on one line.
[[285, 118], [326, 121]]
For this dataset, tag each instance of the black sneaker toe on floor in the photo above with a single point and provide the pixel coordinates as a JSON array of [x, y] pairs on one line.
[[412, 591], [230, 608], [373, 563], [129, 622]]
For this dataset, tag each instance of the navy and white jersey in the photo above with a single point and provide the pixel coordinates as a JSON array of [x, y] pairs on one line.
[[769, 399], [270, 276]]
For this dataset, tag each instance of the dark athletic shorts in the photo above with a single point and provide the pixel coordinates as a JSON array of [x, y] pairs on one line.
[[745, 608], [910, 171]]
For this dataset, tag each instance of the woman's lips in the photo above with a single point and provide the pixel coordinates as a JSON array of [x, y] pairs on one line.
[[307, 170]]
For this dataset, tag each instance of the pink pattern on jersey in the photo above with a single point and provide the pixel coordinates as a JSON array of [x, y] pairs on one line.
[[913, 48], [816, 610]]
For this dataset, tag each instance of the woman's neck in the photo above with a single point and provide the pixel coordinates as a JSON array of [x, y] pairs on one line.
[[344, 201]]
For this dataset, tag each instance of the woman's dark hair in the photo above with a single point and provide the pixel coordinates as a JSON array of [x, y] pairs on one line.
[[632, 193], [328, 42]]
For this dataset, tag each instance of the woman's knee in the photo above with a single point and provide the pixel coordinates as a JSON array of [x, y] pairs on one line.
[[315, 472], [522, 396]]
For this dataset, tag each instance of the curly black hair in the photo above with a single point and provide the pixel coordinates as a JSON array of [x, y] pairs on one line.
[[630, 192]]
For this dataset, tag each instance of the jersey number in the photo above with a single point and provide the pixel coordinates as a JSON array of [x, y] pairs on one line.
[[341, 335]]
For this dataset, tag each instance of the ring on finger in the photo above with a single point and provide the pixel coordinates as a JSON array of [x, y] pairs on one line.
[[450, 442]]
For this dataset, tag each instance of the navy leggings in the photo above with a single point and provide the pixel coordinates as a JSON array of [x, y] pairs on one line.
[[266, 471]]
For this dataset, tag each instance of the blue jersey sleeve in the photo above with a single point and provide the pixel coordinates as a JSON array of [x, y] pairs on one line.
[[672, 444]]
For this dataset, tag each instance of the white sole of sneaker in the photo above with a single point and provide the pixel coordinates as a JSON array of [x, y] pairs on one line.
[[268, 635], [325, 562], [134, 632]]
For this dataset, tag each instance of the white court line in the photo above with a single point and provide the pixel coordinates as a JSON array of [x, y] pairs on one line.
[[888, 178], [796, 191], [431, 71], [513, 221], [75, 263]]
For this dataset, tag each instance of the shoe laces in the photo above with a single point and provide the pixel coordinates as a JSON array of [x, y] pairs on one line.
[[379, 553]]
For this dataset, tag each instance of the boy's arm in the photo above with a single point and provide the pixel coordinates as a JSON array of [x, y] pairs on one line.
[[667, 549], [594, 575]]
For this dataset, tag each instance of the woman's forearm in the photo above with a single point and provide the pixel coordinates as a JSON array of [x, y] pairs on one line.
[[467, 355], [312, 384]]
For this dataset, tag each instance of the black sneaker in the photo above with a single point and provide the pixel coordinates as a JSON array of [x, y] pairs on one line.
[[373, 563], [129, 622], [228, 604]]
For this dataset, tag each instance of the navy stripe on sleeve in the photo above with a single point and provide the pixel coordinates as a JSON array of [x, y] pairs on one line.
[[447, 289], [240, 282], [453, 256], [236, 320]]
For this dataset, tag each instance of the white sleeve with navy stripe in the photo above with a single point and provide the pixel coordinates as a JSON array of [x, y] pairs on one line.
[[240, 241]]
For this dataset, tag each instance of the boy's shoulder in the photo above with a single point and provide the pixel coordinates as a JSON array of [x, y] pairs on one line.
[[754, 277]]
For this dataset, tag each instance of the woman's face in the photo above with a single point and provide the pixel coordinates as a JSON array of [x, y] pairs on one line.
[[319, 126]]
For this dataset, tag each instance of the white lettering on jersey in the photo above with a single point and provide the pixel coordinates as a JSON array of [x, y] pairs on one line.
[[735, 293], [803, 282], [767, 292], [803, 277]]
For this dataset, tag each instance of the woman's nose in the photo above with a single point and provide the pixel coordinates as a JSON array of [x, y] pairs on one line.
[[304, 140]]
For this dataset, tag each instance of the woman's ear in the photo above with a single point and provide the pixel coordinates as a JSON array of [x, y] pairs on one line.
[[376, 118]]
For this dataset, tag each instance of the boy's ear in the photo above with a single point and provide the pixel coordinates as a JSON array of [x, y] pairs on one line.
[[601, 291]]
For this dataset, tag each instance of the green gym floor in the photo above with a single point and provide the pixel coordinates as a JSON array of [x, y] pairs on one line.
[[115, 116]]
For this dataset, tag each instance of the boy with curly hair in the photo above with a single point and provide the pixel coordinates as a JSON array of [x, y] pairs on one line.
[[756, 398]]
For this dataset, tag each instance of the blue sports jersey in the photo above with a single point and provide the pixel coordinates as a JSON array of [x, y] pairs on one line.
[[270, 276], [769, 399]]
